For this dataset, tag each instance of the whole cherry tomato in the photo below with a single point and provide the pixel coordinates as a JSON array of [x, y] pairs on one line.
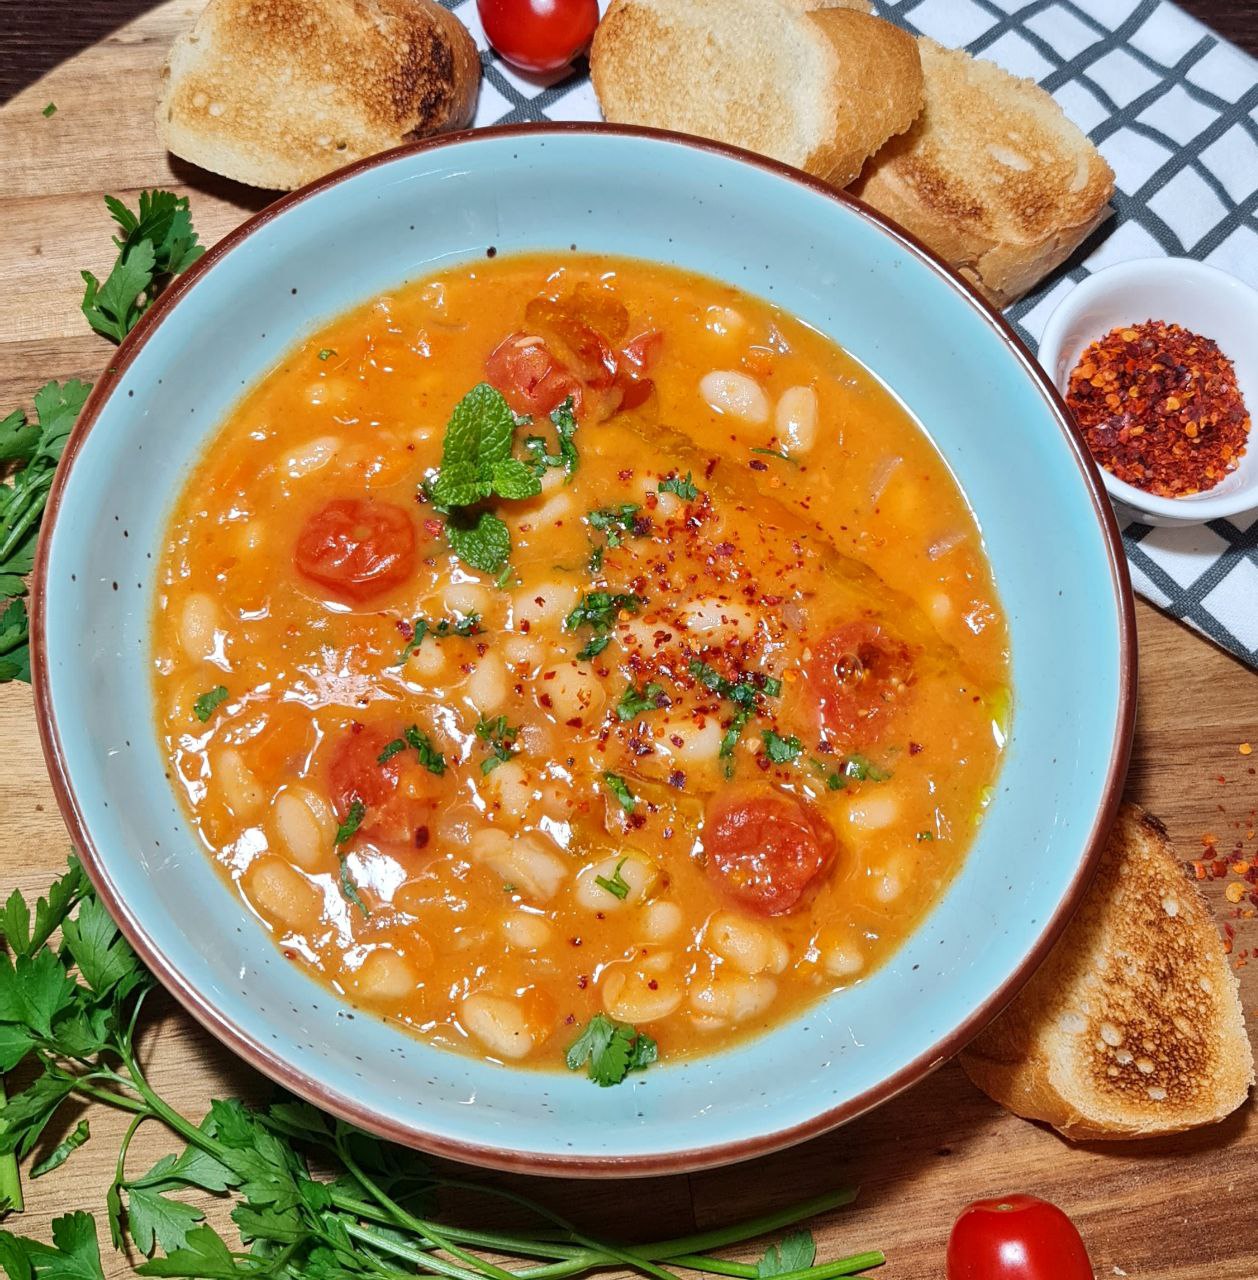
[[357, 548], [538, 35], [859, 674], [1016, 1238]]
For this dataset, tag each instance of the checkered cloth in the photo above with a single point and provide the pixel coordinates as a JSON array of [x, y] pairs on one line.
[[1174, 110]]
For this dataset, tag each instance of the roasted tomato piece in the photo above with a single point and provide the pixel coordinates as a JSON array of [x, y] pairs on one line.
[[357, 548], [394, 818], [577, 344], [529, 376], [859, 675], [644, 351], [765, 851]]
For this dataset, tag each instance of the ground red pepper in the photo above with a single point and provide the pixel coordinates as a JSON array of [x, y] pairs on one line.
[[1159, 408]]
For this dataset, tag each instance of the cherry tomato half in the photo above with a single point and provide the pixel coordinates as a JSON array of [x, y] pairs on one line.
[[538, 35], [394, 819], [1016, 1238], [765, 850], [859, 675], [523, 368], [357, 548]]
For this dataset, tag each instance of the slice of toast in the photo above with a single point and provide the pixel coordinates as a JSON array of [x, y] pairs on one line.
[[1133, 1026], [992, 176], [276, 93], [820, 86]]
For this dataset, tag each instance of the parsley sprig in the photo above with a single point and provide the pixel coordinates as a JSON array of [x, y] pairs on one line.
[[599, 611], [310, 1196], [422, 628], [610, 1050], [684, 489], [634, 703], [500, 738], [744, 693], [567, 459]]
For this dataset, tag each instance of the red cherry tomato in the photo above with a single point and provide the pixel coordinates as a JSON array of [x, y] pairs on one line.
[[523, 368], [357, 548], [859, 675], [1016, 1238], [538, 35], [393, 819], [765, 850]]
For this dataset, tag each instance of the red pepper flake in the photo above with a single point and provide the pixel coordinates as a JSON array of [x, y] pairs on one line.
[[1159, 408]]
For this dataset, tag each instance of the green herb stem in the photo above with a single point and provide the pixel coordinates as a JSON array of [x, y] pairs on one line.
[[722, 1237], [10, 1177]]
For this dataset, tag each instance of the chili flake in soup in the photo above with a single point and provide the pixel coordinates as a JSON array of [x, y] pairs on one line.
[[562, 638]]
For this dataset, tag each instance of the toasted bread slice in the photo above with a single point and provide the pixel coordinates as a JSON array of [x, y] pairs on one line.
[[819, 86], [1133, 1026], [992, 176], [276, 93]]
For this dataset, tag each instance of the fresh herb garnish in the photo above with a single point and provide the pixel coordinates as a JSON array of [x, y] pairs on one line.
[[615, 884], [632, 703], [209, 702], [599, 610], [501, 738], [614, 522], [157, 243], [834, 780], [49, 110], [596, 560], [780, 750], [742, 693], [421, 628], [350, 823], [777, 453], [620, 789], [796, 1252], [429, 756], [327, 353], [344, 834], [611, 1049], [349, 890], [396, 747], [925, 835], [567, 459], [504, 577], [862, 769], [684, 489], [479, 539]]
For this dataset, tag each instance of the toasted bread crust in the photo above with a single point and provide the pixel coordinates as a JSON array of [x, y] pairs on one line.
[[1133, 1026], [818, 85], [992, 175], [277, 92]]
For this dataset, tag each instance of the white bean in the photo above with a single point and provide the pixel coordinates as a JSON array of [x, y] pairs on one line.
[[312, 456], [281, 894], [544, 605], [718, 620], [238, 783], [487, 685], [795, 419], [723, 321], [874, 811], [843, 959], [198, 626], [499, 1024], [735, 395], [304, 826], [749, 946], [526, 932], [699, 745], [385, 975], [660, 920], [509, 784], [732, 998], [630, 997], [427, 662], [635, 875], [571, 691], [521, 861], [466, 598]]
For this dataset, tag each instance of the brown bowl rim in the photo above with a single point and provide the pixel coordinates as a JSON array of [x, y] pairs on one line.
[[257, 1054]]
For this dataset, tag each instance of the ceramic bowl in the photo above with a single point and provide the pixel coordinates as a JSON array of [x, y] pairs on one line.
[[765, 228], [1180, 291]]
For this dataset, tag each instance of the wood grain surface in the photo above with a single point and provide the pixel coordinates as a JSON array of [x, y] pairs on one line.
[[1175, 1209]]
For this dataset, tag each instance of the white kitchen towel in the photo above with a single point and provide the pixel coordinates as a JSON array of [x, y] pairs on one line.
[[1174, 109]]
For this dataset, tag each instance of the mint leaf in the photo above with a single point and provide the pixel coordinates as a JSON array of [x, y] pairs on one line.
[[482, 541], [480, 431], [620, 789], [459, 484], [795, 1252], [780, 750], [513, 479], [615, 884], [633, 704], [154, 1219]]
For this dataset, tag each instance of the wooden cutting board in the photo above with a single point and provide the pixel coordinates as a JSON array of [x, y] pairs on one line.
[[1176, 1209]]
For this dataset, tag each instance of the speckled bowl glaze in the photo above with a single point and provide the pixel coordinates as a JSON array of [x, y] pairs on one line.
[[765, 228]]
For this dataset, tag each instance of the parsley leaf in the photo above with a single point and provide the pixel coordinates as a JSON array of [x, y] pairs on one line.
[[834, 780], [422, 628], [541, 459], [327, 353], [501, 738], [350, 823], [777, 453], [781, 750], [391, 749], [862, 769], [620, 789], [743, 693], [684, 489], [795, 1252], [633, 704], [103, 955], [349, 890], [610, 1050], [615, 884], [429, 756], [599, 611], [614, 522], [63, 1150], [479, 539], [925, 835], [209, 702], [155, 1219], [113, 308], [49, 110]]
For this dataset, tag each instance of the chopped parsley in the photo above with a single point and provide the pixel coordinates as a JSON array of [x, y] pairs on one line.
[[862, 769], [49, 110], [925, 835], [684, 489], [209, 702], [596, 560], [616, 884], [350, 823], [349, 890], [614, 522], [777, 453], [610, 1050], [620, 789], [633, 704], [834, 780], [742, 693], [567, 459], [327, 353], [780, 750], [599, 610], [501, 738], [429, 757], [391, 749], [421, 628]]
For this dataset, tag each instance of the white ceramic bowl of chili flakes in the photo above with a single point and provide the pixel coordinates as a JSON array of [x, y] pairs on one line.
[[1180, 291]]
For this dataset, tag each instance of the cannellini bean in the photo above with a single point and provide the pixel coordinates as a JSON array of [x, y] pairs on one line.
[[509, 784], [499, 1024], [282, 895], [631, 997], [843, 959], [874, 810], [238, 784], [795, 419], [735, 395], [303, 826], [198, 626], [746, 944], [571, 691], [718, 620], [557, 507], [522, 861], [250, 536], [699, 745], [723, 321], [888, 885], [526, 932], [427, 661], [385, 975], [487, 685], [939, 606], [312, 456], [466, 598], [544, 605], [733, 998], [637, 873], [660, 920], [329, 391], [666, 504]]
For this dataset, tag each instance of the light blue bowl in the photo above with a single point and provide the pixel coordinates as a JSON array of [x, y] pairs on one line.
[[761, 227]]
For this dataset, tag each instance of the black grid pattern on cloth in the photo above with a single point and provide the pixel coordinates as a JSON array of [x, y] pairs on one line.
[[1238, 545]]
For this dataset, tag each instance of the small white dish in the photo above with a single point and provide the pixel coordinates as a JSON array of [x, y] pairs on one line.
[[1178, 291]]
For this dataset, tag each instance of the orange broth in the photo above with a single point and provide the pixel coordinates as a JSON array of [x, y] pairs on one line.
[[735, 787]]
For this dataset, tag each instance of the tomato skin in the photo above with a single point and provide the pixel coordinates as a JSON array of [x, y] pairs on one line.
[[1016, 1238], [538, 35], [765, 851], [529, 376], [357, 549], [393, 820], [860, 676]]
